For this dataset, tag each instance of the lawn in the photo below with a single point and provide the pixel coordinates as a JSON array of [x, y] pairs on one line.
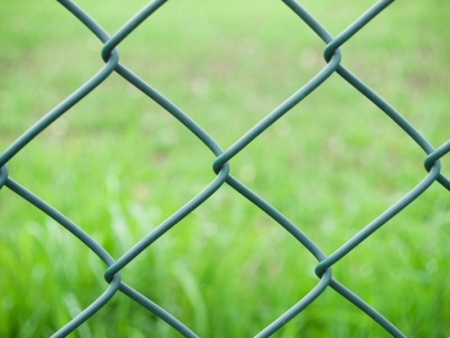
[[118, 165]]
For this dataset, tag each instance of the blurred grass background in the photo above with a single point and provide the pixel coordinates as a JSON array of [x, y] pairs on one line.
[[118, 165]]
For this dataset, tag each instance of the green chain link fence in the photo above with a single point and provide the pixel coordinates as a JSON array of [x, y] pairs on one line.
[[221, 167]]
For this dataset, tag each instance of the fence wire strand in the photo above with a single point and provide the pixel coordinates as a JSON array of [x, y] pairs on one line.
[[323, 270]]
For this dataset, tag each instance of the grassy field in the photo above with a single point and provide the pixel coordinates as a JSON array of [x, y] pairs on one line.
[[118, 165]]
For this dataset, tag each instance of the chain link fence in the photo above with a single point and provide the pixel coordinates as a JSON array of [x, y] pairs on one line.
[[221, 167]]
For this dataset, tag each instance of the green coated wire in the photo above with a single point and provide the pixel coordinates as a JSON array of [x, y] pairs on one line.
[[106, 52], [3, 175], [86, 239], [221, 167], [59, 110], [434, 157]]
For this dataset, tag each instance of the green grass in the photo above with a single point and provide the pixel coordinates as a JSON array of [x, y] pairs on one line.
[[118, 165]]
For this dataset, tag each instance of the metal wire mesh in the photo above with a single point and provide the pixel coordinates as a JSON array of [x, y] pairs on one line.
[[323, 269]]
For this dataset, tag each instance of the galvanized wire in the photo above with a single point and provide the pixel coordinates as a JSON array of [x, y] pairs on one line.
[[220, 166]]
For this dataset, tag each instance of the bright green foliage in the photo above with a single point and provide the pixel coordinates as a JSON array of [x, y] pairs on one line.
[[118, 165]]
